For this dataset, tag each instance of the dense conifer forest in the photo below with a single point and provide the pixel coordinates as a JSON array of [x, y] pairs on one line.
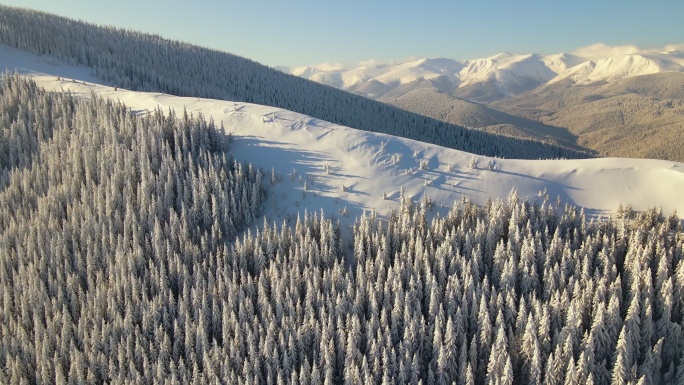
[[144, 62], [128, 255]]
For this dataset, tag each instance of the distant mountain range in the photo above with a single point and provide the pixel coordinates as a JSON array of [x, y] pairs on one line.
[[497, 77], [618, 101]]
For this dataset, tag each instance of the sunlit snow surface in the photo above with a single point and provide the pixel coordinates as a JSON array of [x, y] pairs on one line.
[[598, 62], [324, 166]]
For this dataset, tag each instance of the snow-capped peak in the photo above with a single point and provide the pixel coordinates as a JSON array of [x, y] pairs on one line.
[[509, 73], [561, 62], [618, 67]]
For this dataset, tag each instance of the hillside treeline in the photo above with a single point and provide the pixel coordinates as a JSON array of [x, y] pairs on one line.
[[145, 62], [123, 260]]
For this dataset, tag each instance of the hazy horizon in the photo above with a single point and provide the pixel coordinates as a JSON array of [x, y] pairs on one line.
[[306, 32]]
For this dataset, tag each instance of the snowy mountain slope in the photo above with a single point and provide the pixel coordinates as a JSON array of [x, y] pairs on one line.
[[626, 93], [561, 62], [617, 68], [506, 68], [329, 167], [511, 73], [12, 59], [501, 75], [144, 62], [323, 166]]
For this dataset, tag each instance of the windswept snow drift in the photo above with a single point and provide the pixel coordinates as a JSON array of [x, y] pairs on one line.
[[323, 166]]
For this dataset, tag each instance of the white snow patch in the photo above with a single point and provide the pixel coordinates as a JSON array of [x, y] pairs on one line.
[[26, 63]]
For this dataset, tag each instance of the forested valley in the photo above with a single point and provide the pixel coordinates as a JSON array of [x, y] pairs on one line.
[[129, 253]]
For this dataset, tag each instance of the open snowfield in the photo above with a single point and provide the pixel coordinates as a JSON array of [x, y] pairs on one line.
[[321, 165]]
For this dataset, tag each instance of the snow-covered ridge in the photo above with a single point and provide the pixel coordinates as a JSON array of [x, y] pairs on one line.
[[619, 67], [343, 171], [461, 72], [597, 62], [325, 166]]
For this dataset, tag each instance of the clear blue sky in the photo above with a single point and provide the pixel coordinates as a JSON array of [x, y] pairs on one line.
[[304, 32]]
